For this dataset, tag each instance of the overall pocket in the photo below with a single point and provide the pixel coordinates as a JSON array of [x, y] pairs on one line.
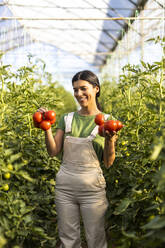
[[101, 180]]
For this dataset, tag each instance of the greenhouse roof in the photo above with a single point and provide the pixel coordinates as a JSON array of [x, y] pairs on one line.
[[86, 30]]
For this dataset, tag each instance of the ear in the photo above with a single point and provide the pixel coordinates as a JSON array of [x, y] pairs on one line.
[[97, 89]]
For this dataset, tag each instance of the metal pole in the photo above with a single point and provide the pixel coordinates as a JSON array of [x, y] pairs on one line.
[[79, 19], [142, 36]]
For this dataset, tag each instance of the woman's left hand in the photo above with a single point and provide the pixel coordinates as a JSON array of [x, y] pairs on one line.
[[109, 147], [111, 136]]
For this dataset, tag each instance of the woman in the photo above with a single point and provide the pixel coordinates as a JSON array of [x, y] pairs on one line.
[[80, 185]]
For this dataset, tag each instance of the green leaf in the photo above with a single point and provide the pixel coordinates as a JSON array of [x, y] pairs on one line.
[[129, 234], [144, 64], [26, 176], [15, 157], [156, 223], [39, 231], [8, 152], [122, 206], [156, 151], [3, 241], [36, 103]]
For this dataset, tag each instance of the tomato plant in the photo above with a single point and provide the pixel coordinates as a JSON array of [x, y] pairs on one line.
[[27, 209], [135, 181]]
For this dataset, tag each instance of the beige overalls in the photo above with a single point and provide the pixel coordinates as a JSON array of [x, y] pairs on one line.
[[80, 190]]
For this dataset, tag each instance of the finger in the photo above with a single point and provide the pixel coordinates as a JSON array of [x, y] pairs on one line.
[[110, 133], [107, 133], [42, 110]]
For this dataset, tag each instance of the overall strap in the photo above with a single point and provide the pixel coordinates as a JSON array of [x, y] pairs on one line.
[[106, 116], [68, 125], [68, 122], [95, 130]]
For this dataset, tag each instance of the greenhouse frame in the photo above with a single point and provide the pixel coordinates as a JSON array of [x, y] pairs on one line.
[[72, 35]]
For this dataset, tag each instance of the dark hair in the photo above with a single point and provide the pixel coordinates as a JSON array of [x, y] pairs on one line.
[[91, 78]]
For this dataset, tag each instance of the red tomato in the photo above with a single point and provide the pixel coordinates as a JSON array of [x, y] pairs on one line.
[[37, 117], [110, 125], [50, 115], [53, 121], [99, 119], [45, 125], [36, 124], [119, 125], [101, 130]]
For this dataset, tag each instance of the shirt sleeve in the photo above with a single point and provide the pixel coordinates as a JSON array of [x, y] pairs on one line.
[[61, 123]]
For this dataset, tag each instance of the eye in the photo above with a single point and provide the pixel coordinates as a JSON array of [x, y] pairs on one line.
[[75, 90], [83, 88]]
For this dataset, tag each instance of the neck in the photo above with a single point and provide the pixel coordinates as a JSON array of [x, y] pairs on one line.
[[88, 111]]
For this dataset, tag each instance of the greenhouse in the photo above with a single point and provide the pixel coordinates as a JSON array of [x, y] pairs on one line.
[[43, 44], [71, 35]]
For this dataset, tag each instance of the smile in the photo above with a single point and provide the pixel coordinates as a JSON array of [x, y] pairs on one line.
[[82, 99]]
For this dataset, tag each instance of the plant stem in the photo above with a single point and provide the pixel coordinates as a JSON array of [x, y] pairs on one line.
[[161, 95], [30, 128], [137, 130], [129, 101], [2, 90]]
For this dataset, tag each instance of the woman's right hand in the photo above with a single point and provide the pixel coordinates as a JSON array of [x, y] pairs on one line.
[[42, 110]]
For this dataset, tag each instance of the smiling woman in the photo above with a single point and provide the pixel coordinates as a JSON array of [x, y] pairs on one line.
[[80, 184], [87, 90], [85, 93]]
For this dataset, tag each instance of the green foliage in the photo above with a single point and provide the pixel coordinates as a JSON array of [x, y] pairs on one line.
[[136, 181], [27, 209]]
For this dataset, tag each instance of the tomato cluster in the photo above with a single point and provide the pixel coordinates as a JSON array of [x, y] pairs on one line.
[[44, 120], [110, 125]]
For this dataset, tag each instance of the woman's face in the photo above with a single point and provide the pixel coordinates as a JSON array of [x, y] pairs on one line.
[[85, 93]]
